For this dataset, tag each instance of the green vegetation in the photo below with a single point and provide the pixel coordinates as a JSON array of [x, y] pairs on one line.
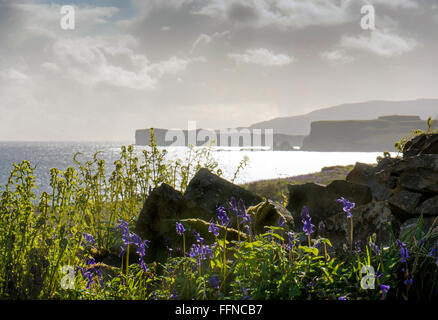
[[276, 189], [48, 245]]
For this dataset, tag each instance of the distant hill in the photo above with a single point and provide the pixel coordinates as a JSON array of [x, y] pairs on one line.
[[300, 125]]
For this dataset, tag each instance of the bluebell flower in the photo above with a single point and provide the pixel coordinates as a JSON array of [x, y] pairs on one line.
[[214, 282], [434, 252], [180, 228], [321, 228], [280, 221], [347, 206], [384, 289], [404, 254], [358, 245], [132, 238], [213, 228], [342, 297], [222, 216], [88, 238], [198, 237], [307, 221], [409, 281]]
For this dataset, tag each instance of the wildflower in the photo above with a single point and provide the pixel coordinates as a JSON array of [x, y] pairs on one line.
[[174, 296], [347, 206], [88, 238], [90, 272], [200, 252], [180, 228], [384, 289], [358, 245], [342, 297], [132, 238], [243, 214], [222, 216], [280, 221], [306, 219], [375, 248], [198, 237], [233, 205], [214, 282], [213, 228], [434, 252], [404, 254], [291, 237], [245, 292], [409, 281]]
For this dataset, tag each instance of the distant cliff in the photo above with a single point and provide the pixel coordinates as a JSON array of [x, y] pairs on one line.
[[361, 135], [165, 137]]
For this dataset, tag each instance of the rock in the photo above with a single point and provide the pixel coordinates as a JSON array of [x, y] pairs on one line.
[[156, 222], [421, 180], [361, 173], [321, 200], [410, 224], [422, 144], [375, 217], [429, 207], [366, 174], [208, 191], [267, 214], [354, 192], [405, 203]]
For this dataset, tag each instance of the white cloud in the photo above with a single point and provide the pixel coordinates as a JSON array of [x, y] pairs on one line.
[[205, 38], [262, 57], [112, 60], [13, 75], [337, 57], [383, 43]]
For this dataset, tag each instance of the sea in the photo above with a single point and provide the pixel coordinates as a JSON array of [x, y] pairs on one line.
[[261, 165]]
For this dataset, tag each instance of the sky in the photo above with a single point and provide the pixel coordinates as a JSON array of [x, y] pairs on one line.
[[223, 63]]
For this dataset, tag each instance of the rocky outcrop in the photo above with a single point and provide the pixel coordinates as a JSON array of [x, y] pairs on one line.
[[269, 213], [321, 200], [363, 135], [196, 208], [208, 191]]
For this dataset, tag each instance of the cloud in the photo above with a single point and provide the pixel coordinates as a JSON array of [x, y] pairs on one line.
[[205, 39], [337, 57], [262, 57], [395, 4], [280, 13], [382, 43], [112, 61]]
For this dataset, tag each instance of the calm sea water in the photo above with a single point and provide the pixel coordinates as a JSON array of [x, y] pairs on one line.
[[262, 164]]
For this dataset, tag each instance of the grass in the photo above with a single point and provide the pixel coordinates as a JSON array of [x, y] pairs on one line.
[[49, 244]]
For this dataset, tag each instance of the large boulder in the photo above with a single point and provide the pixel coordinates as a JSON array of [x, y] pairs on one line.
[[405, 203], [321, 200], [429, 207], [208, 191], [268, 213], [375, 217], [422, 144], [420, 180], [366, 174]]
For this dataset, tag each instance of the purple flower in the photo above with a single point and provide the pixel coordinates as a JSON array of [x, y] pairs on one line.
[[384, 289], [434, 252], [233, 205], [307, 221], [404, 254], [347, 206], [291, 237], [200, 252], [222, 216], [342, 297], [358, 245], [409, 281], [213, 228], [214, 282], [180, 228], [174, 296], [375, 248], [280, 221], [132, 238], [198, 237], [88, 238]]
